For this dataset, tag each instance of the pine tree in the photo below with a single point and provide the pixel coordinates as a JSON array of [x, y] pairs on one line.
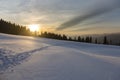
[[82, 40], [79, 39], [70, 39], [64, 37], [105, 41]]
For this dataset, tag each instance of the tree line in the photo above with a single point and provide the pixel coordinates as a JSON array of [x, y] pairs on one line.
[[87, 39], [12, 28]]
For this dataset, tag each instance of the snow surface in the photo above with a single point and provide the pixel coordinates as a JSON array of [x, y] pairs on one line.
[[29, 58]]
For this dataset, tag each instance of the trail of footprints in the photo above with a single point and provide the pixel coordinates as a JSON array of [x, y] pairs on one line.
[[7, 60]]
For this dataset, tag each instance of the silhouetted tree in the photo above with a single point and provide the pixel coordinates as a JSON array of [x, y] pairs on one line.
[[70, 39], [105, 41], [79, 39], [64, 37], [83, 40], [87, 39]]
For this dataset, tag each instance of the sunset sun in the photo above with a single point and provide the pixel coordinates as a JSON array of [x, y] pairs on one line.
[[34, 27]]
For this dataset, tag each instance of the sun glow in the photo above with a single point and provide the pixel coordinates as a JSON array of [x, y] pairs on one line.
[[34, 27]]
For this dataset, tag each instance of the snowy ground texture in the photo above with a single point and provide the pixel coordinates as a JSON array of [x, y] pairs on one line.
[[28, 58]]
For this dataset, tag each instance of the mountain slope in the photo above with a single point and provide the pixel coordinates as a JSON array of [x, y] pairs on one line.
[[28, 58]]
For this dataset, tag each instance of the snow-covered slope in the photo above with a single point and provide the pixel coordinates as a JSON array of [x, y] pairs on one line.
[[28, 58]]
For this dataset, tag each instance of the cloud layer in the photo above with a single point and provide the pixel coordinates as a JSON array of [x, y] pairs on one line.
[[99, 8]]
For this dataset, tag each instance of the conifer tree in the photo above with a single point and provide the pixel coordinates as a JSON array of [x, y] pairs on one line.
[[105, 41]]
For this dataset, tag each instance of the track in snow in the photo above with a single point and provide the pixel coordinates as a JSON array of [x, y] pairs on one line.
[[8, 61]]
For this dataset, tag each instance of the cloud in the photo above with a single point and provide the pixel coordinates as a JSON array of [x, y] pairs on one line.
[[100, 7]]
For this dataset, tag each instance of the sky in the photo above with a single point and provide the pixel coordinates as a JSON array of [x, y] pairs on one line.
[[65, 16]]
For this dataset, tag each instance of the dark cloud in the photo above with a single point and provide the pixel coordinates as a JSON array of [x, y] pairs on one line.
[[99, 8]]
